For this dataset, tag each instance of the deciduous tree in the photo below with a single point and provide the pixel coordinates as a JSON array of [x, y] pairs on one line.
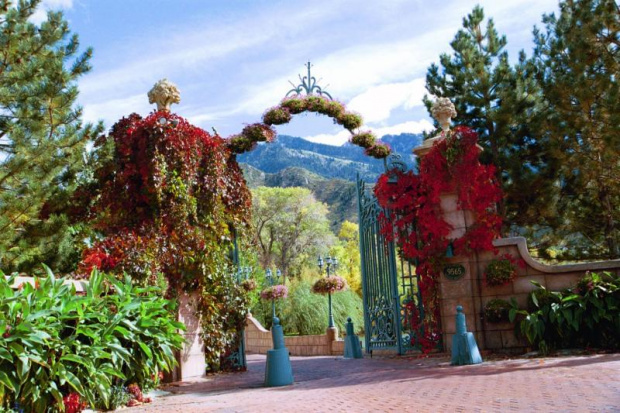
[[290, 227]]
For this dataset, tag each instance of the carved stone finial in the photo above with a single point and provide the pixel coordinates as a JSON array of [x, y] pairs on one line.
[[443, 110], [164, 94]]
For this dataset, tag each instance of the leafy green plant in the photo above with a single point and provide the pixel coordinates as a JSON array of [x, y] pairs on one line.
[[56, 342], [304, 313], [585, 316], [500, 272], [496, 310]]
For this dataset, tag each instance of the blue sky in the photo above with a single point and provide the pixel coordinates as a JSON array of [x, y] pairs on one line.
[[232, 59]]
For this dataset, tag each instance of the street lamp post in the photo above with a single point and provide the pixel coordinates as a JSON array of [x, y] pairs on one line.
[[273, 279], [330, 265]]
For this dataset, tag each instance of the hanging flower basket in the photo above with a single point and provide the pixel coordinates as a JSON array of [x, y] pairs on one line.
[[496, 311], [274, 293], [331, 284], [500, 271], [248, 285]]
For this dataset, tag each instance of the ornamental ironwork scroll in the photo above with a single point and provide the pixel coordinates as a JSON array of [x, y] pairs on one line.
[[394, 312], [309, 85]]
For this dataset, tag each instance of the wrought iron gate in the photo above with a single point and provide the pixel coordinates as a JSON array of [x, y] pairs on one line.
[[394, 313]]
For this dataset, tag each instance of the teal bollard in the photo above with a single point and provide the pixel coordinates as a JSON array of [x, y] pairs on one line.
[[464, 347], [352, 347], [278, 371]]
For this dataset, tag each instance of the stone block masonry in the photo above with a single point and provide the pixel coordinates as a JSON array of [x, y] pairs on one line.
[[258, 341]]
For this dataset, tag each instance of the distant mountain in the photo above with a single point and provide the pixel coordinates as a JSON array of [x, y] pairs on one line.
[[339, 194], [403, 144], [328, 171], [343, 162]]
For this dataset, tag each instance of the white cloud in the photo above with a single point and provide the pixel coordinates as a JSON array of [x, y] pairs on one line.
[[405, 127], [343, 136], [113, 110], [40, 14], [376, 103], [336, 139]]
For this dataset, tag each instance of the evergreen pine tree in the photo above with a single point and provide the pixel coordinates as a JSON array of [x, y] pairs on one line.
[[501, 103], [578, 57], [42, 138]]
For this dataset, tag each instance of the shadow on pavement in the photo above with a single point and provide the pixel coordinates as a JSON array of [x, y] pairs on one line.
[[329, 372]]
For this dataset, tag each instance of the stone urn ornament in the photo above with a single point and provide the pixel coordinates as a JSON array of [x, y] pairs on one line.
[[164, 94], [443, 111]]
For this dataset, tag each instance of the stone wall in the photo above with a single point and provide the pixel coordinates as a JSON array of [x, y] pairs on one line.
[[258, 340], [472, 293]]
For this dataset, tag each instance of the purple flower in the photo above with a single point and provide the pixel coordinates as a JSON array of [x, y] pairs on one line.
[[330, 284], [274, 293]]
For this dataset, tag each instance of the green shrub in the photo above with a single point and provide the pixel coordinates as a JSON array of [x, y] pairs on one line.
[[500, 272], [304, 312], [496, 310], [56, 342], [585, 316]]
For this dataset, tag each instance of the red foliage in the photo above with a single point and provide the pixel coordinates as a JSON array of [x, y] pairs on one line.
[[416, 220], [73, 403], [165, 199]]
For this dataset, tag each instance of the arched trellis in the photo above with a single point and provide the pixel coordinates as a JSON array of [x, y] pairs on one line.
[[316, 100]]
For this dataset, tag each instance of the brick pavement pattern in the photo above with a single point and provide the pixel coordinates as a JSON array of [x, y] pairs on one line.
[[407, 384]]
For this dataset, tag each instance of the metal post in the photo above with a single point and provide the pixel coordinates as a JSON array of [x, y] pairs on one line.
[[330, 322], [330, 263], [360, 186]]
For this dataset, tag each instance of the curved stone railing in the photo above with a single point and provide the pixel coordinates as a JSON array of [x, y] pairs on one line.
[[521, 244], [258, 340], [553, 277]]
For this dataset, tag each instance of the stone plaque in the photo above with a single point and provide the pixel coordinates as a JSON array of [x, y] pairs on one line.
[[454, 271]]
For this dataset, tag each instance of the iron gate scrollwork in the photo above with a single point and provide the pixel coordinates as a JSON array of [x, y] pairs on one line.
[[394, 312], [379, 289]]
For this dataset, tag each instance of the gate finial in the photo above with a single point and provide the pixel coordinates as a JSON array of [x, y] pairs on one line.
[[443, 111], [308, 84], [164, 94]]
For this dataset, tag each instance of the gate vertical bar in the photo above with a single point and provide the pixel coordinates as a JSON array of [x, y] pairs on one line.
[[362, 249], [395, 295]]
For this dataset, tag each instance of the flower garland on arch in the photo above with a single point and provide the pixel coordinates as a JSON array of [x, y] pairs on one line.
[[416, 220], [283, 113]]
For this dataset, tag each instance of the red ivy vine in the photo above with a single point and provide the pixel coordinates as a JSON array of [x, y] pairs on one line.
[[163, 199], [281, 114], [416, 220]]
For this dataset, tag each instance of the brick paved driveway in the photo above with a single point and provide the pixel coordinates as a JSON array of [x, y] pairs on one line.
[[332, 384]]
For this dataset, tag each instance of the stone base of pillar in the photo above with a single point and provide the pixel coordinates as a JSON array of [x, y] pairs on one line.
[[332, 335], [192, 364]]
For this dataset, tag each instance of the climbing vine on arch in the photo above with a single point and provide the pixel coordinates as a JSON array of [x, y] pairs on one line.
[[289, 106]]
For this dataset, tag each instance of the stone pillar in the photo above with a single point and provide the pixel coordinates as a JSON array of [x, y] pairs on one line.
[[192, 364], [458, 281]]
